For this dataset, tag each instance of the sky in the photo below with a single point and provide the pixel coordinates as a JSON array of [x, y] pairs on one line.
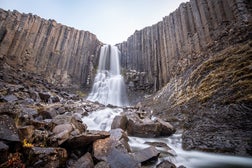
[[112, 21]]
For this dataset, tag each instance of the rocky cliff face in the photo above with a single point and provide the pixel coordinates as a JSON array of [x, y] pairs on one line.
[[63, 55], [185, 38], [201, 57]]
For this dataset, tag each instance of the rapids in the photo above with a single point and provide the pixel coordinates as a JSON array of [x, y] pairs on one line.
[[102, 120]]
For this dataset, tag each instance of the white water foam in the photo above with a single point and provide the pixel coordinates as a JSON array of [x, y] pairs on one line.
[[102, 120]]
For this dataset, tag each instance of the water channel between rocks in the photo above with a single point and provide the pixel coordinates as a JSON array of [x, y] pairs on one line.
[[102, 120]]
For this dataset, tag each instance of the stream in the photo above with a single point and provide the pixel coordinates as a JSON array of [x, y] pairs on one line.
[[102, 120]]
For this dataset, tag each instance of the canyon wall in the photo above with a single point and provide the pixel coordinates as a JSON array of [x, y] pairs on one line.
[[61, 54], [189, 35]]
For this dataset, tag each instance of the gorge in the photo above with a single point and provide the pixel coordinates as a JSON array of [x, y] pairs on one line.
[[192, 70]]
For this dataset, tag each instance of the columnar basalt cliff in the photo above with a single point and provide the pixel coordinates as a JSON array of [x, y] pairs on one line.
[[60, 53], [189, 35], [200, 55]]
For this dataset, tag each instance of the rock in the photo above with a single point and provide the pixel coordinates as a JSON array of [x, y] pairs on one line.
[[61, 133], [40, 137], [86, 138], [8, 130], [3, 152], [102, 164], [45, 97], [166, 128], [113, 152], [26, 132], [9, 98], [166, 164], [46, 157], [149, 154], [77, 122], [119, 122], [85, 161], [55, 99], [164, 148], [117, 158], [119, 135], [148, 128]]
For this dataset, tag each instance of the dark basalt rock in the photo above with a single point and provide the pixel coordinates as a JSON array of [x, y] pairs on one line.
[[46, 157], [166, 164], [146, 155]]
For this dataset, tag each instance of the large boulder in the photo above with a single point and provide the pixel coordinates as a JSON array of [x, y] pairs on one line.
[[146, 127], [114, 153], [86, 138]]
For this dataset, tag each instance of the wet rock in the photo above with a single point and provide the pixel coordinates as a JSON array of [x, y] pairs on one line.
[[8, 130], [102, 164], [62, 133], [3, 152], [46, 157], [86, 138], [163, 148], [149, 154], [166, 164], [119, 122], [9, 98], [85, 161]]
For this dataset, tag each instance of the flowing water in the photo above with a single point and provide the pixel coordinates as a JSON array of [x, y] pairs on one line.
[[102, 119], [109, 87]]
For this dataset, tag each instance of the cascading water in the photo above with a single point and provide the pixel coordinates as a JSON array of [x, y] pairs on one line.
[[109, 86]]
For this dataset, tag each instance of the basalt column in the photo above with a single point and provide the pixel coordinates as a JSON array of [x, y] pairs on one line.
[[182, 40], [60, 53]]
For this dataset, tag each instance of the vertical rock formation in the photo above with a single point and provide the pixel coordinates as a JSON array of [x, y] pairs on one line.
[[61, 54], [189, 35]]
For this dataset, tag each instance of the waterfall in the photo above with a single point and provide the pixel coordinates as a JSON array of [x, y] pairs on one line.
[[109, 86]]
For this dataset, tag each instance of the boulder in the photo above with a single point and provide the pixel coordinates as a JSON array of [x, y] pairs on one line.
[[148, 128], [45, 97], [26, 132], [85, 161], [149, 154], [119, 135], [46, 157], [9, 98], [113, 152], [86, 138], [61, 133], [119, 122], [8, 130], [166, 164]]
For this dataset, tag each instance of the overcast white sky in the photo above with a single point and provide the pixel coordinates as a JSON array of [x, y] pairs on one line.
[[112, 21]]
